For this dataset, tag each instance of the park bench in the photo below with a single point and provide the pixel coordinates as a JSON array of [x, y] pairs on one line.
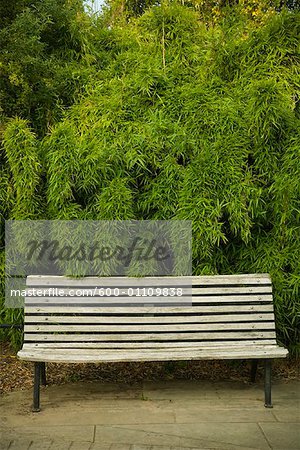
[[230, 317]]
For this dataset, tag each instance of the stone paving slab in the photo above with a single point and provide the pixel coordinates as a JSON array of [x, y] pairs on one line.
[[103, 446], [67, 432], [276, 434], [231, 405], [288, 413], [59, 445], [135, 435], [18, 444], [4, 442], [207, 435], [44, 444], [71, 445], [223, 415], [138, 412], [238, 389], [172, 390], [287, 390], [205, 390]]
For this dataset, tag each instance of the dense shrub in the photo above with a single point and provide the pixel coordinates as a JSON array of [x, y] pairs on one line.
[[188, 121]]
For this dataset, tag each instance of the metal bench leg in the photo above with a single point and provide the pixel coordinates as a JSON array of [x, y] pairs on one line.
[[36, 387], [43, 374], [268, 373], [253, 370]]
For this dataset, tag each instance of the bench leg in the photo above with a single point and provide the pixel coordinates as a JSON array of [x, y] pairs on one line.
[[36, 387], [43, 374], [253, 370], [268, 373]]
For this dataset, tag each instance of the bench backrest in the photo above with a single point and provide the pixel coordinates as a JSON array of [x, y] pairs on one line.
[[225, 310]]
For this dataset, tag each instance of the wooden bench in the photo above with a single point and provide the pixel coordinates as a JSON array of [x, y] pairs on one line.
[[230, 317]]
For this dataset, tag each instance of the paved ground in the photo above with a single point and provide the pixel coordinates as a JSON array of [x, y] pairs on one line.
[[156, 416]]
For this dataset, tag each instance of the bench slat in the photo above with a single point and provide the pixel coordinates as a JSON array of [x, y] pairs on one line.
[[174, 327], [40, 280], [76, 355], [148, 309], [231, 290], [204, 335], [166, 345], [231, 318], [125, 292], [186, 300]]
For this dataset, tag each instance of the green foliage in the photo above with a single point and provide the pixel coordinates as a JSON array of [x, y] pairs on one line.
[[46, 58], [21, 151], [182, 121], [210, 11], [8, 315]]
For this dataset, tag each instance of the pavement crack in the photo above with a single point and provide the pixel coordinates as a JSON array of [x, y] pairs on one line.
[[264, 434]]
